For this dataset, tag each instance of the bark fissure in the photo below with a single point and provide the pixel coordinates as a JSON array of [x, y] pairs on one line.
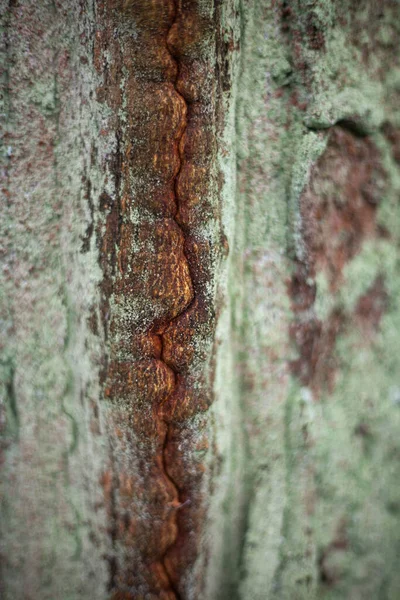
[[113, 530], [176, 502]]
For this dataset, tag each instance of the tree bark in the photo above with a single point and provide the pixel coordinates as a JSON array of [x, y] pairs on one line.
[[200, 299]]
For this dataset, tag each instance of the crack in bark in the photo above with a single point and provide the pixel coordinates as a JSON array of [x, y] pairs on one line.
[[152, 379], [176, 502]]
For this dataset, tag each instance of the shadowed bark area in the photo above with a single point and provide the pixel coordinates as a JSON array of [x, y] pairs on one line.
[[199, 299]]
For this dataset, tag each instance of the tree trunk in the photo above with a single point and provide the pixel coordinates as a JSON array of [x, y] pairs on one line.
[[200, 299]]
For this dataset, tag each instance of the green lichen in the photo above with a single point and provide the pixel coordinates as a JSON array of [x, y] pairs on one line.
[[50, 358], [319, 471], [308, 151], [293, 474], [357, 107]]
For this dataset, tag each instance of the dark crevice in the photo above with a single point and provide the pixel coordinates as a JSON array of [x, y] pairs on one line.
[[90, 227], [11, 398], [176, 503], [112, 559]]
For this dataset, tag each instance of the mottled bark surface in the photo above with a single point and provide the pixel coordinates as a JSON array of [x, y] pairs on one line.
[[160, 248], [53, 519], [313, 292], [199, 299]]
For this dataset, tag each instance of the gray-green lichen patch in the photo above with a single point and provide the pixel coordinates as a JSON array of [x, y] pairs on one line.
[[52, 525], [309, 150], [251, 334], [317, 469], [304, 495], [356, 107]]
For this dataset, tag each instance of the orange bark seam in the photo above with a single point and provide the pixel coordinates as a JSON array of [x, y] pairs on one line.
[[176, 503]]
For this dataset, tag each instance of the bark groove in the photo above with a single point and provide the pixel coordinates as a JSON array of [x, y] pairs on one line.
[[158, 235], [176, 503]]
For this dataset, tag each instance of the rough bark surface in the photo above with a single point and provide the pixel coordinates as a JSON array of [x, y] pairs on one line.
[[199, 303], [160, 249]]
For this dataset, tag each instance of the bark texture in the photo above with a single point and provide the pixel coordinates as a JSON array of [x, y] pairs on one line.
[[199, 299]]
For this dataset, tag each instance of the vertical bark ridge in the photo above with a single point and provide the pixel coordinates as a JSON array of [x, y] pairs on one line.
[[176, 503], [158, 257]]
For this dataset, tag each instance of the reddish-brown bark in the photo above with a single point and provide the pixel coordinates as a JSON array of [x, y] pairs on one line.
[[155, 379]]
